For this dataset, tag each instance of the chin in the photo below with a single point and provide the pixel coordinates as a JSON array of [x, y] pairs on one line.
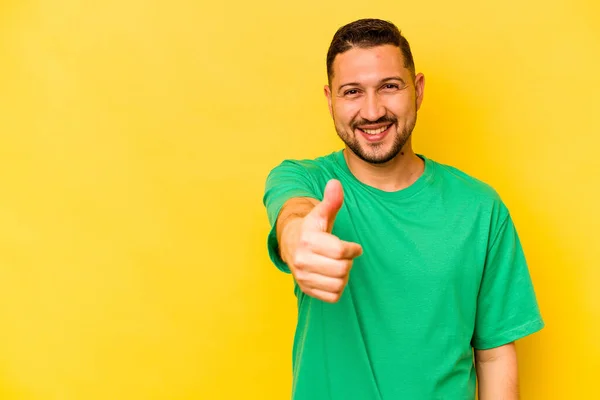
[[377, 157]]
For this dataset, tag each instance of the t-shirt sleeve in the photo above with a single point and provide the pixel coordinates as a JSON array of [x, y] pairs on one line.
[[288, 180], [507, 308]]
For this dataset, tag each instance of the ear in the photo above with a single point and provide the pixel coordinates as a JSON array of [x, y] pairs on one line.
[[327, 91], [419, 88]]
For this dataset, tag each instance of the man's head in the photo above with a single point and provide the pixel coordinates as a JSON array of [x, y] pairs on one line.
[[373, 91]]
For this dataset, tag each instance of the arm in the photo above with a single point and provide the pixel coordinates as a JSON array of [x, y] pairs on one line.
[[292, 211], [497, 373], [319, 261]]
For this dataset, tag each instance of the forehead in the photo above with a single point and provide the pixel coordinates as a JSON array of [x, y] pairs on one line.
[[370, 64]]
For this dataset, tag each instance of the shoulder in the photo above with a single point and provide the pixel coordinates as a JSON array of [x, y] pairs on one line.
[[309, 168], [469, 187], [460, 179], [300, 177]]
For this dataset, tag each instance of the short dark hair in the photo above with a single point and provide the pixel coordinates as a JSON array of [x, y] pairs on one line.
[[367, 33]]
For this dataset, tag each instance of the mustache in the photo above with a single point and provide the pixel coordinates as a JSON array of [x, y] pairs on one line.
[[382, 120]]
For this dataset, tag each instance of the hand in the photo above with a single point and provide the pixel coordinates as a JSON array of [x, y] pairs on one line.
[[319, 261]]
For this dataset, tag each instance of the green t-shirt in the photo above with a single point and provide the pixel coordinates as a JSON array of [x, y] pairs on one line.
[[442, 272]]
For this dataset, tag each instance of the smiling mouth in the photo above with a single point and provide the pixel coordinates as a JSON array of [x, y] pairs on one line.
[[375, 135], [374, 132]]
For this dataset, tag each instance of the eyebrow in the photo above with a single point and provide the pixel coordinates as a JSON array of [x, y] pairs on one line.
[[391, 78]]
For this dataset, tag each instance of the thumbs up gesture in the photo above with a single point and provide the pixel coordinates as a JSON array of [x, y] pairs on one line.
[[319, 261]]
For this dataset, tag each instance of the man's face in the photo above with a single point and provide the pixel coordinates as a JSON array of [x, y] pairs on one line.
[[373, 100]]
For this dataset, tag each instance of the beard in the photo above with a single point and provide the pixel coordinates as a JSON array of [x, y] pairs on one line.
[[375, 153]]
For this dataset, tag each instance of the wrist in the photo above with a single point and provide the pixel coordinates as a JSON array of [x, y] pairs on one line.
[[289, 236]]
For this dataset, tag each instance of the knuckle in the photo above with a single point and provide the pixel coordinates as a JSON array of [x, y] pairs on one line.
[[348, 266], [326, 296], [299, 260], [305, 241], [306, 290], [345, 269], [338, 286], [334, 298], [301, 276], [338, 251]]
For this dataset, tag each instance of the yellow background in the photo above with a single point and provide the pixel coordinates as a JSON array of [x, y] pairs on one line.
[[135, 138]]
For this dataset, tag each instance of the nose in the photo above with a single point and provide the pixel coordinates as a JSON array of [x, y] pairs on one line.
[[372, 108]]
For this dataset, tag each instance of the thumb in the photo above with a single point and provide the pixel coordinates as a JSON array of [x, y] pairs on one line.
[[325, 212]]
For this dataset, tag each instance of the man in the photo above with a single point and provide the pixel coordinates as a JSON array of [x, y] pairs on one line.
[[410, 277]]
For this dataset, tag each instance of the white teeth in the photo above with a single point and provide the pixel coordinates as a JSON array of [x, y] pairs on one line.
[[374, 131]]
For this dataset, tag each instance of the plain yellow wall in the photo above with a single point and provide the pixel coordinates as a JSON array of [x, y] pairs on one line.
[[135, 138]]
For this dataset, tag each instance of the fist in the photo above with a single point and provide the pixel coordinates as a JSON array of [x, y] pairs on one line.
[[319, 261]]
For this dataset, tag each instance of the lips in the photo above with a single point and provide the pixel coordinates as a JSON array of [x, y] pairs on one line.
[[375, 134]]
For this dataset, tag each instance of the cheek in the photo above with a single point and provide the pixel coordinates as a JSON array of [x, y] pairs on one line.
[[344, 112], [401, 106]]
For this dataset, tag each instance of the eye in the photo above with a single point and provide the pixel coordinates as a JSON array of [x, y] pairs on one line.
[[391, 86], [351, 92]]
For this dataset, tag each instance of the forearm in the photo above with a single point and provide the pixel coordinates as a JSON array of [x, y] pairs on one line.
[[497, 373], [292, 211]]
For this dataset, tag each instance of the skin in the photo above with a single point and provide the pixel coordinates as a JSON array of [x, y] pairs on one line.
[[370, 88], [497, 373], [319, 261]]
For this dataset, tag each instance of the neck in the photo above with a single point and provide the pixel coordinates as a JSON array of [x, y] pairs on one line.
[[396, 174]]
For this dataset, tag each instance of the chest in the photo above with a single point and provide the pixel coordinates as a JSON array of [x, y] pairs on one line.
[[416, 247]]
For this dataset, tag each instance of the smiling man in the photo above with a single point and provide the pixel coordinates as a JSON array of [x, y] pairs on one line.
[[410, 277]]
